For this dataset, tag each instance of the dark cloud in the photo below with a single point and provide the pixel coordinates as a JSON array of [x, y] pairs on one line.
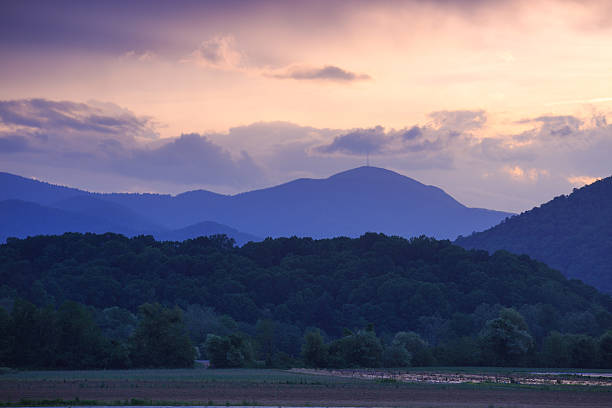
[[70, 116], [445, 129], [358, 142], [413, 133], [328, 73], [105, 138]]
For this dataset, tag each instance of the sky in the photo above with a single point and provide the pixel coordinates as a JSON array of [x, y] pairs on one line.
[[502, 104]]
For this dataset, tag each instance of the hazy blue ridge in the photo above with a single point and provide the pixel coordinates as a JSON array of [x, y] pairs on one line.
[[346, 204]]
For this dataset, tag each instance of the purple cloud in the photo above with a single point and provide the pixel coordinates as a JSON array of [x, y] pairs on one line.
[[360, 141], [70, 116], [327, 73], [105, 138], [446, 128], [560, 126]]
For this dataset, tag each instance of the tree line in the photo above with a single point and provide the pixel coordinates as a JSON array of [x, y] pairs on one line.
[[69, 338], [106, 301]]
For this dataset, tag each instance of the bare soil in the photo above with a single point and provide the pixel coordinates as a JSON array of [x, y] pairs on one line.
[[341, 394]]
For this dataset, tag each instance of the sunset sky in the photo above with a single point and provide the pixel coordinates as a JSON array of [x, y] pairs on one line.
[[503, 104]]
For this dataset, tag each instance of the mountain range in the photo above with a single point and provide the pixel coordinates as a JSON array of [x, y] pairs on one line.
[[572, 233], [346, 204]]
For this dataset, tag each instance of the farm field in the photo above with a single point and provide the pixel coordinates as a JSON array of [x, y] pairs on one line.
[[300, 388]]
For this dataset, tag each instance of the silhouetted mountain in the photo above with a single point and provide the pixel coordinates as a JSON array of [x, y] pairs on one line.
[[353, 202], [572, 233], [112, 212], [349, 203], [21, 219], [206, 228], [21, 188], [173, 211]]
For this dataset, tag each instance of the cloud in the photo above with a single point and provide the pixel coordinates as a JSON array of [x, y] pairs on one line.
[[459, 120], [106, 145], [503, 149], [326, 73], [191, 158], [360, 141], [444, 129], [102, 137], [524, 174], [93, 118], [219, 52], [413, 133], [145, 56], [556, 126], [222, 53]]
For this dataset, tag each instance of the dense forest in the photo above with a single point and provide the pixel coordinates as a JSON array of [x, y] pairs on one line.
[[87, 300], [571, 233]]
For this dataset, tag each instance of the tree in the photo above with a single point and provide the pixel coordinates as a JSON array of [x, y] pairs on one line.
[[555, 351], [161, 339], [264, 338], [605, 349], [33, 336], [79, 343], [582, 350], [228, 351], [5, 337], [505, 340], [396, 356], [314, 349], [361, 349], [415, 346]]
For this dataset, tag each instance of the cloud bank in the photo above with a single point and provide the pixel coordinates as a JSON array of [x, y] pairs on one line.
[[111, 147], [105, 138]]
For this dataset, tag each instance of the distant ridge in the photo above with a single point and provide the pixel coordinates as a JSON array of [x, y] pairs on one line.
[[21, 219], [206, 228], [349, 203], [572, 233]]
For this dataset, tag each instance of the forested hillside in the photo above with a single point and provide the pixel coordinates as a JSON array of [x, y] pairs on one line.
[[571, 233], [400, 302]]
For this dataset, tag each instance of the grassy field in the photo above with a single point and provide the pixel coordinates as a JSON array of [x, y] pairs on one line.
[[239, 375], [279, 387]]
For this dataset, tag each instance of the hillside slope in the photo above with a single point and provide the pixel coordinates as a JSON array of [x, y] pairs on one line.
[[571, 233]]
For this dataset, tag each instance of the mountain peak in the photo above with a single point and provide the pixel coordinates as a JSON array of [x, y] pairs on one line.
[[367, 171], [370, 174]]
